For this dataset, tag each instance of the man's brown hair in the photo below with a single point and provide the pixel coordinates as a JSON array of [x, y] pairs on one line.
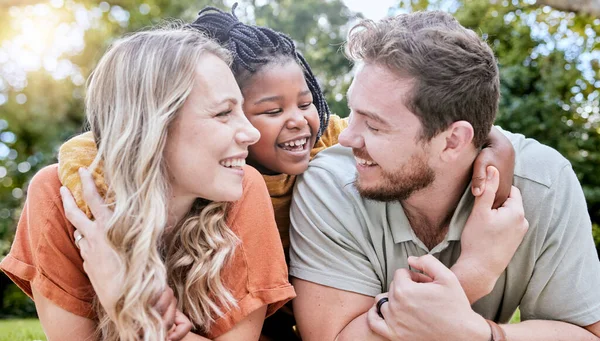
[[454, 72]]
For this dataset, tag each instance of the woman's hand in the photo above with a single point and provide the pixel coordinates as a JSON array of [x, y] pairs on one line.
[[490, 238], [181, 327], [100, 261]]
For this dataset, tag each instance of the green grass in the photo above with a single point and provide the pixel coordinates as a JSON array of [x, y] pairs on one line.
[[516, 318], [21, 330]]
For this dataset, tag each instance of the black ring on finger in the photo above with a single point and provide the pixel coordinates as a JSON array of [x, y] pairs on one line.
[[379, 304]]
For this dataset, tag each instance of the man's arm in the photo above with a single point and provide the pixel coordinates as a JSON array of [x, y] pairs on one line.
[[326, 313], [539, 330], [421, 310]]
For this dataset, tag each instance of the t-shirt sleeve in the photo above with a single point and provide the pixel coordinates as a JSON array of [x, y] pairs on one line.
[[43, 254], [330, 136], [566, 277], [257, 275], [326, 235]]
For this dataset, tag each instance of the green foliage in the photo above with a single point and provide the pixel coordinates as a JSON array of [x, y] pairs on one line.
[[17, 303], [319, 28], [21, 330], [516, 318], [32, 130], [549, 72]]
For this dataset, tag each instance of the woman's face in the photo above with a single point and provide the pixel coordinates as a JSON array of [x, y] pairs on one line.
[[208, 141], [279, 104]]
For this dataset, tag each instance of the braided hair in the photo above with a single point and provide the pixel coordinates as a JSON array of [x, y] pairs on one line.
[[253, 47]]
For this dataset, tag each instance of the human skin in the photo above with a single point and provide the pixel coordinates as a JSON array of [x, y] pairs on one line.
[[418, 309], [279, 104], [212, 113]]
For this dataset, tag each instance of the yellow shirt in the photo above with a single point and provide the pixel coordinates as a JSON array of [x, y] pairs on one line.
[[81, 150]]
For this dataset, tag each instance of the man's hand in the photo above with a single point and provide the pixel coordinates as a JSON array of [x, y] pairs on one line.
[[427, 306], [490, 238]]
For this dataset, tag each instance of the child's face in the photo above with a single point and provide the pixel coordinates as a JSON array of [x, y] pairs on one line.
[[279, 104]]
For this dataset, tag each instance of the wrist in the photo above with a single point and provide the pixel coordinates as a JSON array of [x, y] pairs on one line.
[[497, 333], [476, 281], [479, 329]]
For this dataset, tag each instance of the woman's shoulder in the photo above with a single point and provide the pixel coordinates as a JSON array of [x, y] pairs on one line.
[[255, 202], [45, 184], [252, 178]]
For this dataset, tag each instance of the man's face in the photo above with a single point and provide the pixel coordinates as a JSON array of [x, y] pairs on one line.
[[391, 160]]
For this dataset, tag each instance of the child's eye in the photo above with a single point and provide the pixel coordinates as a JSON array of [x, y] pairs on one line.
[[273, 112], [305, 106]]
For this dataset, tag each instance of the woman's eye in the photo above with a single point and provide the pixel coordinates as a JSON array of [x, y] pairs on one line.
[[224, 113]]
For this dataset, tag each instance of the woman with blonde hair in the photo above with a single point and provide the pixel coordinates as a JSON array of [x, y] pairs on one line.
[[165, 112]]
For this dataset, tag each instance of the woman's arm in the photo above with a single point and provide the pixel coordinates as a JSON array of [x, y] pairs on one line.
[[55, 321], [247, 329]]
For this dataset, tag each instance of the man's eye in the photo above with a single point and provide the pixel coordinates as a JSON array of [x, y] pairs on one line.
[[371, 128]]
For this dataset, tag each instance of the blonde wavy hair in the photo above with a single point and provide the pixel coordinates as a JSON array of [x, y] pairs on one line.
[[133, 95]]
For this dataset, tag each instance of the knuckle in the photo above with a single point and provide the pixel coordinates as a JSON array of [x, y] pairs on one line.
[[429, 257]]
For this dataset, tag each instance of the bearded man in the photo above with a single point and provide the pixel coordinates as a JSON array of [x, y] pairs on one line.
[[381, 222]]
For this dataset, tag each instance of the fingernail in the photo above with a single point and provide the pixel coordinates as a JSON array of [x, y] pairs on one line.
[[477, 191], [490, 173]]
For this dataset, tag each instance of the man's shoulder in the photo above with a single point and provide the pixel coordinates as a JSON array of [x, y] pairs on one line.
[[536, 162], [330, 178], [336, 162]]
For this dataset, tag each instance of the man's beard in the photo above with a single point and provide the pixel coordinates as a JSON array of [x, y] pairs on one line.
[[415, 175]]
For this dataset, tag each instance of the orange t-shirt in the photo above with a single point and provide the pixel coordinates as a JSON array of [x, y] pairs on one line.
[[44, 255]]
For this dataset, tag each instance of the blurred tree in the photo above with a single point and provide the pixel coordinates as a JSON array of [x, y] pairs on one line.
[[319, 29], [580, 6], [47, 50]]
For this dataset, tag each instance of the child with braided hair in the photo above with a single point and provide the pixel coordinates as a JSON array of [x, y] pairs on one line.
[[283, 100]]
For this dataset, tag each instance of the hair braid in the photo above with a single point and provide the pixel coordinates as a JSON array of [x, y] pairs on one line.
[[253, 47]]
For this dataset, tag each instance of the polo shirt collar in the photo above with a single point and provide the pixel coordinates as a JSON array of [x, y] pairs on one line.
[[402, 231]]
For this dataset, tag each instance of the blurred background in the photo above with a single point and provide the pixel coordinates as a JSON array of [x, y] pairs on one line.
[[548, 52]]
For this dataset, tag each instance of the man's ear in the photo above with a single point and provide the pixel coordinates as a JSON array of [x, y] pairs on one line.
[[459, 138]]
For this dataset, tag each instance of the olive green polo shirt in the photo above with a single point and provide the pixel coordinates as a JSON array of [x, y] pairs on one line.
[[340, 240]]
